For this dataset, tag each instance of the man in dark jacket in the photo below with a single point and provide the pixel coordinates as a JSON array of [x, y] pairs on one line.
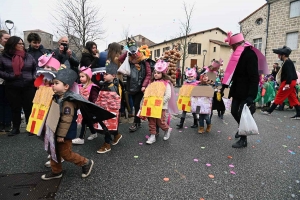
[[287, 80], [65, 55], [245, 81], [35, 48]]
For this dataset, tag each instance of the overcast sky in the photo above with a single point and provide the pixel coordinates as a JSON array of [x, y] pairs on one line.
[[158, 20]]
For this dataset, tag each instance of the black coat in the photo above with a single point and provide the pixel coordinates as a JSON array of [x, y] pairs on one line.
[[88, 59], [36, 53], [218, 105], [288, 72], [245, 78]]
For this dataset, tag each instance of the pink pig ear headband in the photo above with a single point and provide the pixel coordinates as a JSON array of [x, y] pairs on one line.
[[161, 66], [233, 39], [87, 71]]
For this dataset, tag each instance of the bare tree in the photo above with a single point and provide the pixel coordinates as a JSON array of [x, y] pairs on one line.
[[79, 20], [185, 30], [125, 32]]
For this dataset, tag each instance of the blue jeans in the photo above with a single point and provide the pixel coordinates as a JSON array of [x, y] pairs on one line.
[[203, 117], [5, 111]]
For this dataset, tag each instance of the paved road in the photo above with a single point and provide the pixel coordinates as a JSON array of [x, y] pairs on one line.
[[268, 169]]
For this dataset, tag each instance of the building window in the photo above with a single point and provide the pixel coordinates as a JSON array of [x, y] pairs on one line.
[[295, 9], [150, 55], [166, 49], [194, 48], [259, 21], [257, 43], [292, 40], [215, 49], [157, 53]]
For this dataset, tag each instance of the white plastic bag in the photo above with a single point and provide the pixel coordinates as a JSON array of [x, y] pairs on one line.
[[125, 67], [247, 123]]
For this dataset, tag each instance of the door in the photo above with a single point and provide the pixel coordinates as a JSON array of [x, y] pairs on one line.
[[193, 63]]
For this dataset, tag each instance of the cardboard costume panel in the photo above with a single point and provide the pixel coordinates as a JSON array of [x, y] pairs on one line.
[[202, 91], [41, 104], [184, 98], [201, 105], [153, 100], [111, 102], [212, 76]]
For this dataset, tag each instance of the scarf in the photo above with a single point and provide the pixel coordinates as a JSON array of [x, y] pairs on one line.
[[18, 62]]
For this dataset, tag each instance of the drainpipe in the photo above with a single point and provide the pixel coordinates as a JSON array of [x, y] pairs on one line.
[[267, 31]]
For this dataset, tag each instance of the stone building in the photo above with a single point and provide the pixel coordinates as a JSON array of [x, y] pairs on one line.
[[47, 38], [141, 40], [203, 47], [282, 27]]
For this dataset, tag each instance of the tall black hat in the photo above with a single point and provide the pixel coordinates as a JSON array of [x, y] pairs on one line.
[[283, 51], [67, 76]]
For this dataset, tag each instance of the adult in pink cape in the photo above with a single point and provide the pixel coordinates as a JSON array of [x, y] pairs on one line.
[[242, 72]]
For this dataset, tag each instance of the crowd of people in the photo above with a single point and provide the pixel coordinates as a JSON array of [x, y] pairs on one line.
[[96, 91]]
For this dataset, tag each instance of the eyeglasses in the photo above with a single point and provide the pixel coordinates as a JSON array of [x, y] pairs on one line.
[[21, 44]]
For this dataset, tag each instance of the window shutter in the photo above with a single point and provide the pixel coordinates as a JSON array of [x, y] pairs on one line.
[[199, 49], [295, 9], [292, 40]]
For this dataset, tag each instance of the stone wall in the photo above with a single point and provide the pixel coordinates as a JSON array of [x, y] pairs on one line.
[[280, 24], [251, 30]]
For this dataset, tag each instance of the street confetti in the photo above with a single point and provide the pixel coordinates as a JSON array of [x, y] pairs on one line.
[[202, 199], [140, 143], [284, 146], [232, 166], [293, 195], [147, 136], [196, 160], [253, 146], [211, 176], [232, 172], [231, 196], [258, 140], [219, 131], [297, 181], [229, 157], [185, 127], [202, 147], [136, 156], [229, 138], [289, 137], [208, 165], [225, 172], [180, 131], [166, 179]]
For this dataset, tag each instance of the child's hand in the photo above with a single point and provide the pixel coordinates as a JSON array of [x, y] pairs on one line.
[[60, 139]]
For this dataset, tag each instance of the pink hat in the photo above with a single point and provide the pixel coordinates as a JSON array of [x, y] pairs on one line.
[[216, 64], [87, 71], [49, 61], [161, 66], [191, 72], [234, 39]]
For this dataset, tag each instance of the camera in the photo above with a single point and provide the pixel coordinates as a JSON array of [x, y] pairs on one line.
[[66, 47]]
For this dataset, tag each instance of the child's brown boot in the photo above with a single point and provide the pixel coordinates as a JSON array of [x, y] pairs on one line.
[[201, 130], [117, 138], [105, 148], [208, 129]]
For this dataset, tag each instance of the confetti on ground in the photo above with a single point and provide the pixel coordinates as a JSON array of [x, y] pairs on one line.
[[232, 172], [186, 127], [293, 195], [225, 172], [136, 156], [231, 166], [211, 176], [284, 146], [147, 136], [196, 160], [230, 157], [166, 179], [253, 146], [229, 138], [258, 140], [219, 131], [202, 147], [289, 137], [208, 165], [202, 199], [180, 131], [297, 181], [231, 196], [276, 127], [140, 143]]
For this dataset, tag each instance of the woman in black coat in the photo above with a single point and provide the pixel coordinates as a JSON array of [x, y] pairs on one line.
[[18, 69], [90, 55]]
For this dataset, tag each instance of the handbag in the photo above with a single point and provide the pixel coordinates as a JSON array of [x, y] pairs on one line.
[[247, 123]]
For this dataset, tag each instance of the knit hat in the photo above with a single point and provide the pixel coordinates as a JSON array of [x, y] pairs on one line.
[[87, 71], [67, 76], [112, 68]]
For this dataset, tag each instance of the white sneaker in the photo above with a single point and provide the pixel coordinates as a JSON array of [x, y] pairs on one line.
[[47, 164], [92, 136], [78, 141], [167, 134], [151, 139]]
